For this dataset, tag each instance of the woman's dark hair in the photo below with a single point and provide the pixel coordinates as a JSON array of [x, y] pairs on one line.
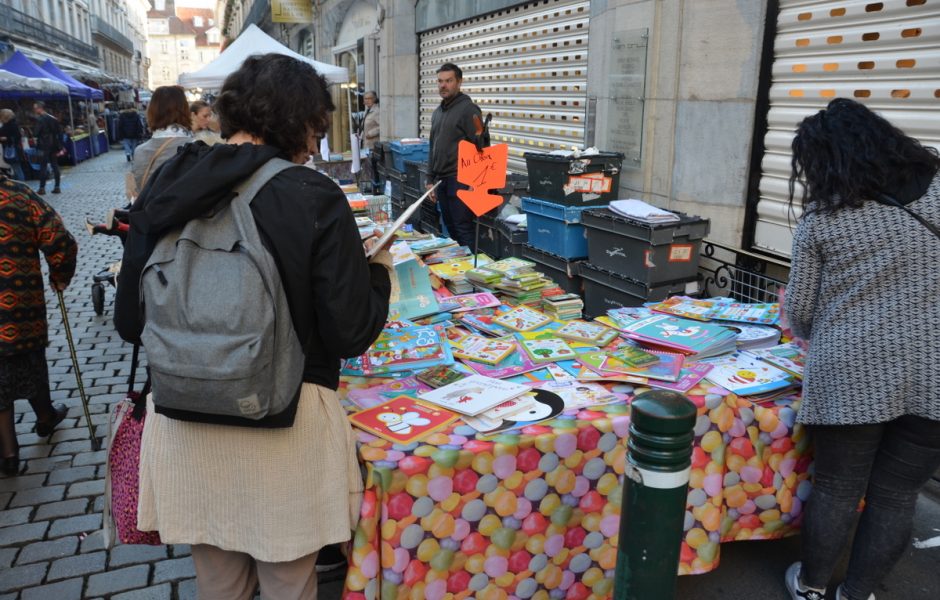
[[276, 98], [198, 105], [168, 106], [451, 67], [846, 154]]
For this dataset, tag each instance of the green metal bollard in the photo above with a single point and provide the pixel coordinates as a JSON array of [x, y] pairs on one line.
[[655, 486]]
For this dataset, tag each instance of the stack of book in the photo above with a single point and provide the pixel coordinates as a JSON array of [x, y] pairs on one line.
[[746, 375], [452, 273], [563, 307], [692, 338]]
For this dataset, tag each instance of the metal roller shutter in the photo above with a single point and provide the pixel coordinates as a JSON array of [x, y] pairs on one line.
[[885, 54], [527, 65]]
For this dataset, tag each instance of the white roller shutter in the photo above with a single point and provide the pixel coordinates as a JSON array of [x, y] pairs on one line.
[[884, 54], [527, 65]]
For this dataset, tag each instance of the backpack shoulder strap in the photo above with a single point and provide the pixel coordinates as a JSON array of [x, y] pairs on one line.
[[248, 189], [886, 199]]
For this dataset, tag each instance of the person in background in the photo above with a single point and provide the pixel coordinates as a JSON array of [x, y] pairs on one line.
[[92, 123], [202, 123], [33, 227], [169, 119], [862, 293], [457, 118], [369, 128], [12, 139], [48, 134], [130, 130], [257, 502]]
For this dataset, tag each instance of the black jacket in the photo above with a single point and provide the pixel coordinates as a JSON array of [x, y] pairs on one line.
[[338, 301], [48, 133], [129, 125], [450, 123], [11, 131]]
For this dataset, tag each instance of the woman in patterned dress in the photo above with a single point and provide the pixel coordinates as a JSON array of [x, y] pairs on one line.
[[863, 294]]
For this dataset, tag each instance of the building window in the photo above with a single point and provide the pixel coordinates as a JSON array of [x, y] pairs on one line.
[[197, 21], [164, 48], [166, 73]]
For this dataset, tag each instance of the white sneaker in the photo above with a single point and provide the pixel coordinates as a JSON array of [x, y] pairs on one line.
[[797, 590], [840, 595]]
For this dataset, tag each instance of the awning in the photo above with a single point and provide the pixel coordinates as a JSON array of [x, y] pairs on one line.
[[20, 65], [13, 84], [252, 42], [51, 68]]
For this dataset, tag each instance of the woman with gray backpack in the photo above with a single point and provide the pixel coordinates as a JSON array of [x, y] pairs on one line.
[[245, 279]]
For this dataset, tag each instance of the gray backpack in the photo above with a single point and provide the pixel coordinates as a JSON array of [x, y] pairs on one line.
[[218, 330]]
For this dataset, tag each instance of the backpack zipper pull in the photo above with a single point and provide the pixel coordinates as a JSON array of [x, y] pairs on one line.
[[160, 274]]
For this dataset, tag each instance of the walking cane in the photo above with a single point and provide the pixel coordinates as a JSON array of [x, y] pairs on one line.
[[95, 444]]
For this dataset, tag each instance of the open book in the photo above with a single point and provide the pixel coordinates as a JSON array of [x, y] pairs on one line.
[[401, 220]]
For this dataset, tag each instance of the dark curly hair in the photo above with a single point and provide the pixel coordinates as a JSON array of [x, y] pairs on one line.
[[168, 106], [276, 98], [847, 154]]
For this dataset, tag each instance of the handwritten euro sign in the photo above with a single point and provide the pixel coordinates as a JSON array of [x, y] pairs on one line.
[[482, 170]]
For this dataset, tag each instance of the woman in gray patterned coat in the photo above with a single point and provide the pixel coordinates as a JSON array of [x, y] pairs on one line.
[[863, 293]]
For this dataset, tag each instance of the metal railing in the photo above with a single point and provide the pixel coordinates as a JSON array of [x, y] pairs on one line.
[[104, 29], [21, 26], [739, 274]]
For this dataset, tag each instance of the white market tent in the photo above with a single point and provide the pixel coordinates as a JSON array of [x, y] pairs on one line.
[[252, 41], [12, 82]]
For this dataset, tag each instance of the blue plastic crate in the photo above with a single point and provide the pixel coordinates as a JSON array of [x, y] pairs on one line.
[[417, 152], [556, 228]]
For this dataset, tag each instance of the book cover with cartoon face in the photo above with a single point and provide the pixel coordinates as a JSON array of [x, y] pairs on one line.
[[402, 420]]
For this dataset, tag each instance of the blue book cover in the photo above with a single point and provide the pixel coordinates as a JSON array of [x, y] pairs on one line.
[[407, 349]]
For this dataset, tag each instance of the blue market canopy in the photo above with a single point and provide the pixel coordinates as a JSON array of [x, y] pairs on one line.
[[51, 68]]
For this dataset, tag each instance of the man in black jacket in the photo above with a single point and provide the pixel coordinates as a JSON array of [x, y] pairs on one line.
[[130, 130], [457, 118], [49, 143]]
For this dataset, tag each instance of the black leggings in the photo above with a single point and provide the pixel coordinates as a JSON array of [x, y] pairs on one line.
[[887, 464]]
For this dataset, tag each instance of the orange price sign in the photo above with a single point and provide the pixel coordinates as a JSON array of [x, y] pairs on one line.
[[482, 170]]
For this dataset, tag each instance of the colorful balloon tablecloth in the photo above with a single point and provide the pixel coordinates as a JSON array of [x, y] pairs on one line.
[[535, 513]]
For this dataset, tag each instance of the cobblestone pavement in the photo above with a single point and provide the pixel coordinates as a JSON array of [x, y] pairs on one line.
[[49, 513]]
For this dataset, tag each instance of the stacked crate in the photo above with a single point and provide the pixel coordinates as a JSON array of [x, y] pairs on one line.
[[561, 188], [631, 262]]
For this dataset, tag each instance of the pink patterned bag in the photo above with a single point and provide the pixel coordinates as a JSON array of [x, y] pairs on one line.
[[122, 481]]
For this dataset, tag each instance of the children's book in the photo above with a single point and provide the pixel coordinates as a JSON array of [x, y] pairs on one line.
[[634, 356], [589, 367], [545, 405], [517, 363], [466, 302], [407, 349], [578, 394], [688, 378], [522, 318], [752, 336], [683, 335], [547, 350], [683, 306], [510, 407], [440, 376], [403, 420], [747, 375], [474, 394], [482, 320], [377, 394], [415, 298], [789, 357], [667, 368], [457, 267], [764, 314], [445, 254], [584, 331], [485, 350]]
